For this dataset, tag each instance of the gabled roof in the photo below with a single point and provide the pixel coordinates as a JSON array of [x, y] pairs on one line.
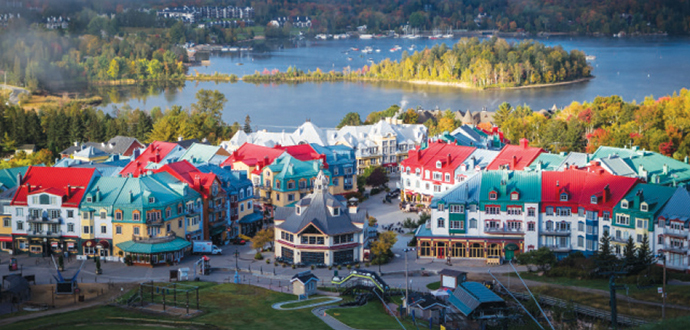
[[8, 177], [315, 212], [197, 180], [528, 184], [516, 157], [578, 159], [438, 151], [466, 191], [304, 277], [287, 167], [478, 160], [596, 183], [570, 181], [302, 152], [154, 153], [202, 153], [468, 296], [252, 154], [652, 163], [547, 162], [188, 143], [64, 181], [654, 195], [90, 152]]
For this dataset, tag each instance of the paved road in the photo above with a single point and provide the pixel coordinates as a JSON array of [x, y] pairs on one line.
[[16, 91]]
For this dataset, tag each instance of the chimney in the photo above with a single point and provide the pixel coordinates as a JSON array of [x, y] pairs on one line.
[[642, 173], [524, 143], [197, 181], [28, 187], [131, 197], [76, 144], [605, 195], [98, 194], [180, 138], [103, 144], [513, 163], [69, 190], [665, 169], [352, 205], [19, 179], [686, 159], [158, 156]]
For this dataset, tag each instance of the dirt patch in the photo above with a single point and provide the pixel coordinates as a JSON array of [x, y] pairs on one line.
[[43, 295]]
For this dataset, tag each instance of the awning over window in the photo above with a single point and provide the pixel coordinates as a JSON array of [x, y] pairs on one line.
[[104, 244], [5, 239], [175, 245], [88, 243]]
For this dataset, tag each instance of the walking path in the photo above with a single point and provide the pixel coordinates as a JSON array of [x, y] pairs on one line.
[[331, 321], [330, 300]]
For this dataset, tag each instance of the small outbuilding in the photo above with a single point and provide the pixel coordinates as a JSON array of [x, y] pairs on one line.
[[304, 284], [426, 306], [451, 278]]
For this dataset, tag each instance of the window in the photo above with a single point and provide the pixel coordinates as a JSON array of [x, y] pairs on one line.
[[492, 225], [514, 210], [336, 181], [606, 216], [581, 226], [70, 227], [473, 208], [277, 187], [549, 210], [291, 185], [179, 208], [437, 188], [103, 215], [514, 225], [438, 176], [447, 177], [70, 214], [530, 212], [580, 211], [563, 211], [136, 231], [249, 205], [118, 230], [6, 222], [438, 165], [492, 210], [36, 249], [622, 219], [167, 227], [642, 223], [20, 211], [593, 199], [549, 225], [151, 199], [440, 223], [530, 226], [454, 208], [441, 207], [250, 192], [624, 204], [179, 223], [20, 225], [427, 174], [104, 229], [136, 216], [241, 207], [291, 197], [580, 241], [118, 215], [564, 197], [514, 196], [473, 223], [89, 199], [168, 213], [455, 224], [644, 207], [639, 238], [86, 229], [493, 195]]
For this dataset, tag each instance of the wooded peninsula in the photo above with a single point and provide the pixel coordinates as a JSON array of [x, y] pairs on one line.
[[471, 63]]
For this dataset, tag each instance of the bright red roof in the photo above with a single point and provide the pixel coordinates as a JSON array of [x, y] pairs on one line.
[[449, 154], [303, 152], [517, 157], [197, 180], [69, 182], [252, 154], [155, 152], [595, 185]]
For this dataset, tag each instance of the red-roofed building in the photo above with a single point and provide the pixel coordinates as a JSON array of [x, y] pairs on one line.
[[155, 153], [214, 217], [252, 158], [303, 152], [430, 171], [577, 206], [515, 157], [45, 210]]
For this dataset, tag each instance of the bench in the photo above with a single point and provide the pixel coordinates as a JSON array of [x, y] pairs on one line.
[[493, 261]]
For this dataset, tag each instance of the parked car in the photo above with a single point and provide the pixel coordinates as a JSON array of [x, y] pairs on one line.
[[238, 241]]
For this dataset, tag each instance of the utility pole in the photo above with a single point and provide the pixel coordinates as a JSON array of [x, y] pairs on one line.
[[237, 267], [663, 304], [407, 282]]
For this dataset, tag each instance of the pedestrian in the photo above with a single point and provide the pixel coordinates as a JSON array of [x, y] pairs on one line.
[[66, 255]]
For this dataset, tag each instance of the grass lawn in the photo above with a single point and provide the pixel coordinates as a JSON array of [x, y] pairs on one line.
[[677, 294], [224, 306], [371, 316], [307, 302], [434, 285]]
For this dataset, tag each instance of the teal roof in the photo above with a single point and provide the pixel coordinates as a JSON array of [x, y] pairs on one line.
[[176, 244], [480, 292], [288, 167], [527, 184], [650, 162], [200, 153], [654, 195], [8, 176], [547, 162], [114, 192]]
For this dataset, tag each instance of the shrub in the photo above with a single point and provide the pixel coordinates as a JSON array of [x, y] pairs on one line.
[[367, 264], [413, 241], [330, 267], [293, 266], [268, 261], [312, 267], [339, 268], [374, 191], [258, 256], [349, 267]]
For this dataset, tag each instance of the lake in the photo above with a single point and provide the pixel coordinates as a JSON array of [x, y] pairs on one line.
[[630, 67]]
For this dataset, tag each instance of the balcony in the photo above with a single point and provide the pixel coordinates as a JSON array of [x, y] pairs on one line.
[[154, 239], [678, 233], [554, 232], [44, 233], [559, 248], [503, 231], [619, 239], [44, 220]]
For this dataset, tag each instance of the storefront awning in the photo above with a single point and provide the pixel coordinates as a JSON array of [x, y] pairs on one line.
[[88, 243], [5, 239], [511, 247], [104, 244], [250, 218], [217, 230], [175, 245]]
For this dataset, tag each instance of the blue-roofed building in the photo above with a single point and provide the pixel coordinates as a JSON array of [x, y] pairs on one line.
[[672, 231], [342, 164], [9, 180], [475, 301], [547, 162], [245, 218]]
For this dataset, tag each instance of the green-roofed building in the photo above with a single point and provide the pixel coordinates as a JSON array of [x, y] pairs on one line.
[[652, 167], [9, 180], [199, 153], [120, 215], [547, 162], [289, 179], [634, 215]]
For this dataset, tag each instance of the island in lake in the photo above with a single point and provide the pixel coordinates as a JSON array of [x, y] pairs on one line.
[[471, 63]]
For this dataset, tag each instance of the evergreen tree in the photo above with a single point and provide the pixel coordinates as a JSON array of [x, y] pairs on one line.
[[644, 254], [605, 258], [247, 125], [503, 113], [629, 253]]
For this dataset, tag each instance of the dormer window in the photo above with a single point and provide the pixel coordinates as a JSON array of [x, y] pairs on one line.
[[298, 210], [493, 195], [152, 200], [624, 204], [89, 199], [644, 207], [439, 164], [564, 197], [514, 196], [214, 189], [593, 200]]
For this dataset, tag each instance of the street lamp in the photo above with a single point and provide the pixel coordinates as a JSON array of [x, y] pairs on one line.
[[407, 282], [237, 254]]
